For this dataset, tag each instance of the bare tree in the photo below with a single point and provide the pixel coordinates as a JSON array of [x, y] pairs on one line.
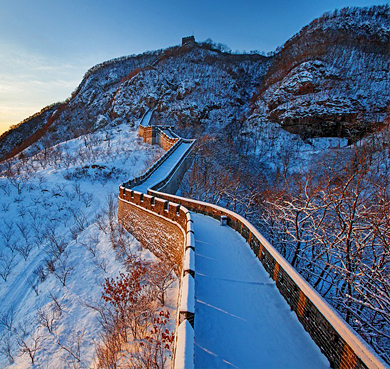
[[5, 188], [101, 223], [101, 264], [7, 346], [29, 345], [63, 270], [161, 275], [25, 245], [48, 317], [5, 206], [32, 281], [73, 346], [7, 319], [87, 199], [334, 227], [23, 248], [7, 263], [77, 190], [80, 222], [7, 235], [111, 209], [56, 244], [57, 302], [91, 244]]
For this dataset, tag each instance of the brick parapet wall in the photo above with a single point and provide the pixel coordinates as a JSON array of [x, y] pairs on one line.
[[165, 228], [141, 179], [158, 224], [156, 228], [165, 141], [173, 145]]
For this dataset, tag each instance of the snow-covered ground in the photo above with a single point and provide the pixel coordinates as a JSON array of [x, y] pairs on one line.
[[54, 251], [241, 320]]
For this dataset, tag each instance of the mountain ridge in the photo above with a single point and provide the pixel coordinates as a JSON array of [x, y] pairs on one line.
[[318, 92]]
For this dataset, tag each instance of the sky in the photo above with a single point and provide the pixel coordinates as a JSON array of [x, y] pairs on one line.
[[46, 46]]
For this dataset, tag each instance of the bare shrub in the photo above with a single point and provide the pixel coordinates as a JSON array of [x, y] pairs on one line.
[[154, 349]]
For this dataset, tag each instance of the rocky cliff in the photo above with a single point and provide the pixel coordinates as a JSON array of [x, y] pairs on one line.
[[333, 77]]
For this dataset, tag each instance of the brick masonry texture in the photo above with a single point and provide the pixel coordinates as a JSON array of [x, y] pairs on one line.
[[158, 235]]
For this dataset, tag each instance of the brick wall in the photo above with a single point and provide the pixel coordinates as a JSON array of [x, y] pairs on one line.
[[155, 226], [148, 134], [154, 135], [165, 141]]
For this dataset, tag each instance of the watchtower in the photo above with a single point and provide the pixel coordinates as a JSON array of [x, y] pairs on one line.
[[187, 40]]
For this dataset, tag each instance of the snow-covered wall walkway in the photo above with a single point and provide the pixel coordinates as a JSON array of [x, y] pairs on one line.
[[241, 319], [245, 310]]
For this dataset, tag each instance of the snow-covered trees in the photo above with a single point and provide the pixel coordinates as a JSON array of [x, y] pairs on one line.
[[53, 255], [333, 226], [330, 220]]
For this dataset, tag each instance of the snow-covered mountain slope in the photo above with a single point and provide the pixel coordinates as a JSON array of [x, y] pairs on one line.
[[56, 248], [330, 79], [333, 77], [193, 86]]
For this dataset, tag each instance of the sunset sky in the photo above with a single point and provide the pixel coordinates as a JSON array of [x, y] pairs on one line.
[[46, 46]]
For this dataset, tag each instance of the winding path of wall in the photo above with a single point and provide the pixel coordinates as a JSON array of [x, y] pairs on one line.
[[163, 222]]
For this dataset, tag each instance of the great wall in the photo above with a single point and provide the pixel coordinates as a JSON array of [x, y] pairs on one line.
[[166, 224]]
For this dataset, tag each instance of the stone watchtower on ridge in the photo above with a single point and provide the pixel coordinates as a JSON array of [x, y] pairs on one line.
[[188, 40]]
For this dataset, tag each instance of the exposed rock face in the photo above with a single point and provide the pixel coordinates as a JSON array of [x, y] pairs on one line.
[[331, 79]]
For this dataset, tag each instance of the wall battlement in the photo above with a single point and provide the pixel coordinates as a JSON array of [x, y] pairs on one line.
[[158, 135]]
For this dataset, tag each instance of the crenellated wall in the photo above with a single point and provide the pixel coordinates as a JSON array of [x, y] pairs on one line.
[[162, 222], [336, 339], [158, 135], [159, 227]]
